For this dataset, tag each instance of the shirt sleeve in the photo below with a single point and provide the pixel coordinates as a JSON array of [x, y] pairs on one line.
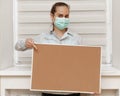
[[20, 45]]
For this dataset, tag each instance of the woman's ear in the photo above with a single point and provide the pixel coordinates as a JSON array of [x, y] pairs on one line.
[[52, 17]]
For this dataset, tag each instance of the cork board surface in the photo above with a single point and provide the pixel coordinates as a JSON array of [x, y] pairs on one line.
[[66, 68]]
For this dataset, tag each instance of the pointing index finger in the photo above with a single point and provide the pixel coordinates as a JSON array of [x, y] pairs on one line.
[[35, 47]]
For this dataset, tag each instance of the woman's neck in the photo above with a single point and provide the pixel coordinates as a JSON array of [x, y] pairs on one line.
[[59, 33]]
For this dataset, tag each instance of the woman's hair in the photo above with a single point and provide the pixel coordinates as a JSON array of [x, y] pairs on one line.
[[58, 4]]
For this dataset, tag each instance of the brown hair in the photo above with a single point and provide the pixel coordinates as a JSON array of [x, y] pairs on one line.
[[53, 9]]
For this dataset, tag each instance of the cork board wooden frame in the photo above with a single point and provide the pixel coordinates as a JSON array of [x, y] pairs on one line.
[[62, 68]]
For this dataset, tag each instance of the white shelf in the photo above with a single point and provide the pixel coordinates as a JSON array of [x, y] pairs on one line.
[[106, 70], [16, 71]]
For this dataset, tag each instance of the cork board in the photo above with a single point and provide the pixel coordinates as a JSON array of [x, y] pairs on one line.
[[62, 68]]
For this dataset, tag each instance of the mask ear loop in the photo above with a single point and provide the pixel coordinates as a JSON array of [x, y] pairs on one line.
[[51, 28], [52, 24]]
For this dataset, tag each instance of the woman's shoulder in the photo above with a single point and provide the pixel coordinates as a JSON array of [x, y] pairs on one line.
[[76, 37], [74, 34], [42, 34]]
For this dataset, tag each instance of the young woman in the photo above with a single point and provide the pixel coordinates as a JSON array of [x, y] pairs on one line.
[[60, 34]]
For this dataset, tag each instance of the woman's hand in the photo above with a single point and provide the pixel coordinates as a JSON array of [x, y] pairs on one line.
[[29, 43]]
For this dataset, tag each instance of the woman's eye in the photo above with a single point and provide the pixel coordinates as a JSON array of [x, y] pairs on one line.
[[67, 16]]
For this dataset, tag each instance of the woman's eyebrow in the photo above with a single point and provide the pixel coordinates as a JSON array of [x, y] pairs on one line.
[[63, 15]]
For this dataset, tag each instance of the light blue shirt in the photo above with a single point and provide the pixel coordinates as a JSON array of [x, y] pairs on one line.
[[68, 38]]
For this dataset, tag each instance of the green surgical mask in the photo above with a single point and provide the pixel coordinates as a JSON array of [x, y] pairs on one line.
[[61, 23]]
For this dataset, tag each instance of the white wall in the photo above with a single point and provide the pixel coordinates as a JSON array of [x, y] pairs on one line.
[[6, 33], [116, 33]]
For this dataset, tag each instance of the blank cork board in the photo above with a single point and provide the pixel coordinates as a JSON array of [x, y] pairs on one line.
[[62, 68]]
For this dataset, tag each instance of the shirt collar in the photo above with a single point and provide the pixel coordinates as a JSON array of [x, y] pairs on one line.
[[67, 32]]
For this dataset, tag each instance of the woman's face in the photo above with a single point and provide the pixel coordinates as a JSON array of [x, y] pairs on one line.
[[61, 11]]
